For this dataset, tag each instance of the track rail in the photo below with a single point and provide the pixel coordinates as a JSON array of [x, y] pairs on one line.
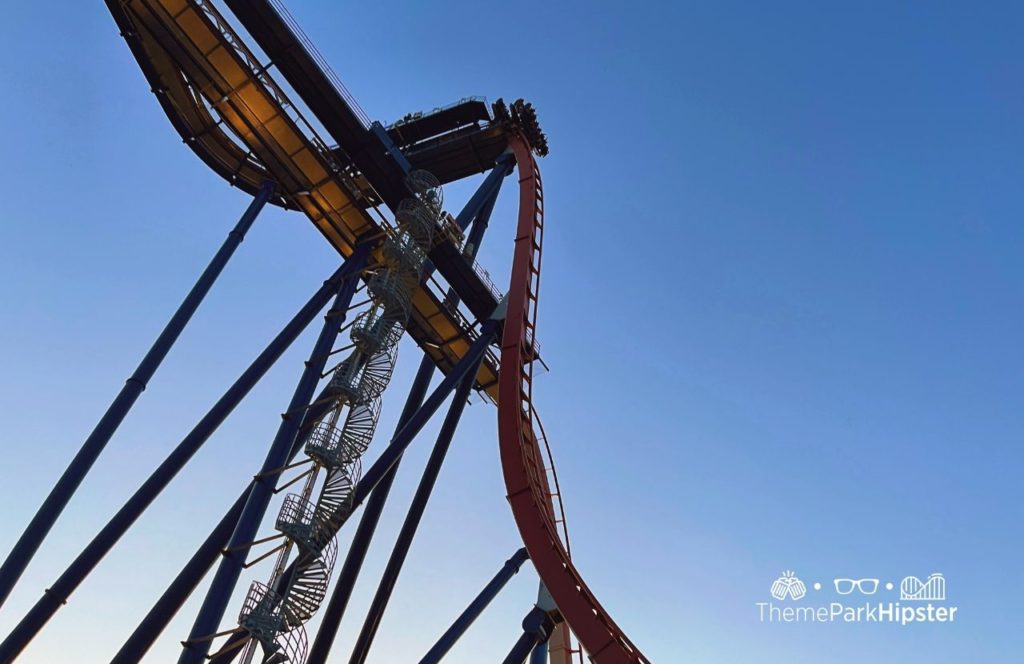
[[560, 645], [228, 108], [522, 459]]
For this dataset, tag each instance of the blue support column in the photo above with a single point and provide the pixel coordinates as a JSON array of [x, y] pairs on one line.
[[105, 540], [466, 367], [540, 653], [263, 486], [158, 617], [412, 521], [380, 477], [487, 191], [476, 607], [27, 545], [383, 467], [365, 530], [186, 581], [537, 628], [195, 569], [477, 212]]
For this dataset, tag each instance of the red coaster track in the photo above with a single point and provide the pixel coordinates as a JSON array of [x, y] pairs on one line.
[[521, 457]]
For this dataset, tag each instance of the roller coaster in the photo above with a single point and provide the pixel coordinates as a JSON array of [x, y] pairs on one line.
[[375, 193]]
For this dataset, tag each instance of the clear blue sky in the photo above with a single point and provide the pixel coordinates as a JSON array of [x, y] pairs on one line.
[[781, 303]]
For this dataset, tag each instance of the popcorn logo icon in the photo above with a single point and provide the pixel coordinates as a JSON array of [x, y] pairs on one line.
[[788, 585]]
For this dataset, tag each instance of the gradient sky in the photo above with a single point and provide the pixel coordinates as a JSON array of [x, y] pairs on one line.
[[781, 304]]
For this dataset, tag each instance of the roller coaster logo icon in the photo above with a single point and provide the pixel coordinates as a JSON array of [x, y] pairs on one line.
[[914, 589]]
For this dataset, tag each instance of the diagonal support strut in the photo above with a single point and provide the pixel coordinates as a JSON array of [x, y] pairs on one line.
[[58, 498]]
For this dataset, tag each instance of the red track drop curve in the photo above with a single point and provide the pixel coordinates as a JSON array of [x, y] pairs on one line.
[[521, 459]]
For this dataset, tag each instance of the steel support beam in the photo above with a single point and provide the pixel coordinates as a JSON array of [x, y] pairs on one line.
[[192, 574], [477, 212], [29, 542], [487, 191], [190, 577], [379, 478], [469, 365], [158, 617], [412, 521], [105, 540], [367, 525], [476, 607], [540, 653], [382, 467], [261, 490], [537, 627], [170, 602]]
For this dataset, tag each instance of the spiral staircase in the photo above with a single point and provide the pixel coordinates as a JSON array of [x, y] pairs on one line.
[[274, 613]]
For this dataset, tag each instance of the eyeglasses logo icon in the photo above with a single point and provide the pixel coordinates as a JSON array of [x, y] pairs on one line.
[[846, 586]]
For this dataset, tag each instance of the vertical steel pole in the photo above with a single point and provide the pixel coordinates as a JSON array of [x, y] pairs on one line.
[[195, 648], [476, 607], [412, 521], [540, 653], [105, 540], [29, 542]]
